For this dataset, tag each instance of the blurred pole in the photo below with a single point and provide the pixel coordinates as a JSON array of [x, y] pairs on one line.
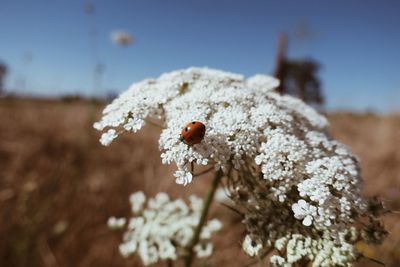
[[97, 79], [280, 59], [21, 80], [98, 68], [3, 73]]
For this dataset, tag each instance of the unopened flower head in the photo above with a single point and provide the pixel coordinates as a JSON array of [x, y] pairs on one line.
[[163, 228]]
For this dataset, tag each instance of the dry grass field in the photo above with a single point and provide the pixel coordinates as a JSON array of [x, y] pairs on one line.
[[58, 185]]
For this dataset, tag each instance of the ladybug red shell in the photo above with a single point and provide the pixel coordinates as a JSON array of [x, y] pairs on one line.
[[193, 133]]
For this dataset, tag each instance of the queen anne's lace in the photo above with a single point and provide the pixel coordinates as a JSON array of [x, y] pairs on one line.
[[239, 115], [289, 175], [164, 228]]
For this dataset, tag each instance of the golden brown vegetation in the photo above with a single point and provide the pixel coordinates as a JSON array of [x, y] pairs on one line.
[[58, 185]]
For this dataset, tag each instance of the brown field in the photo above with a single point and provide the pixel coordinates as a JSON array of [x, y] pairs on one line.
[[58, 185]]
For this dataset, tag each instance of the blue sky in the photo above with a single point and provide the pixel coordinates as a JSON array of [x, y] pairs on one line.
[[48, 48]]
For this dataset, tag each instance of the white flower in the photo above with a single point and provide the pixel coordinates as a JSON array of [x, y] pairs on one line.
[[107, 138], [305, 211], [137, 200], [278, 261], [281, 243], [164, 228], [262, 82], [250, 247], [212, 226], [323, 252], [203, 250], [116, 223], [183, 177]]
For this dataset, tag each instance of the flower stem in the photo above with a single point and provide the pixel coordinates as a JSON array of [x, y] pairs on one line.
[[203, 172], [207, 203]]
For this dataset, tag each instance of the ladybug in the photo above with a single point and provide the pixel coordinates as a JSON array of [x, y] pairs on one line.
[[193, 133]]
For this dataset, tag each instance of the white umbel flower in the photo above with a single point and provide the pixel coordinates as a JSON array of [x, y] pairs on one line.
[[164, 228], [246, 122], [286, 173], [224, 102]]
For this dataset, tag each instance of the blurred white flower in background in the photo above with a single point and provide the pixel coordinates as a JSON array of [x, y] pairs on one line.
[[163, 228], [322, 252]]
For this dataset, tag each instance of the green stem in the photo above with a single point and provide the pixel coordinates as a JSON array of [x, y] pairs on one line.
[[207, 203]]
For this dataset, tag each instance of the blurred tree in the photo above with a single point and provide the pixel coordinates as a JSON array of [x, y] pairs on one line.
[[3, 73], [298, 77]]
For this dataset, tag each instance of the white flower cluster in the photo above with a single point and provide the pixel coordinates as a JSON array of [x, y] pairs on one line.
[[246, 121], [164, 228], [238, 114], [322, 252], [288, 175]]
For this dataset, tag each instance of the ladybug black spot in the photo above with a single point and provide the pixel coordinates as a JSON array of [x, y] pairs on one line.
[[193, 122], [186, 129], [191, 138]]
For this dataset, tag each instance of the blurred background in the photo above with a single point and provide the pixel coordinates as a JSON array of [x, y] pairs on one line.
[[61, 62]]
